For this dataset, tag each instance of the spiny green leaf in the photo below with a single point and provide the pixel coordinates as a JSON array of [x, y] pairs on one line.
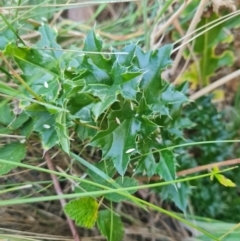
[[84, 211], [125, 83], [110, 225], [44, 124], [158, 93], [166, 166], [40, 70], [126, 59], [118, 142], [80, 107], [97, 80], [123, 182], [153, 62], [178, 194], [147, 164], [62, 131], [6, 36], [48, 41], [11, 152], [32, 57], [115, 145], [85, 132], [107, 83], [171, 96], [71, 91], [106, 167], [93, 44]]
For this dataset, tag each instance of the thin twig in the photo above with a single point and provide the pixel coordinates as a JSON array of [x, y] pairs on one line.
[[57, 15], [215, 85], [196, 169], [71, 5], [208, 166], [170, 21], [190, 47], [13, 136], [192, 26], [18, 77], [59, 192]]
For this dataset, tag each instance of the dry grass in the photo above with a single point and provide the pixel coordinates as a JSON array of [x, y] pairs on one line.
[[46, 221]]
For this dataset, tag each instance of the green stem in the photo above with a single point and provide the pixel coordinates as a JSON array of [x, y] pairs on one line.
[[17, 76], [121, 190], [187, 144]]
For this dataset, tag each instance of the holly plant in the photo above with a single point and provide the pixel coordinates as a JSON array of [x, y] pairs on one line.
[[114, 100]]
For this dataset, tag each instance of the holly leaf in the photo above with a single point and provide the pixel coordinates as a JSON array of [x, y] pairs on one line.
[[120, 77], [84, 132], [124, 82], [166, 167], [84, 211], [93, 44], [71, 89], [126, 59], [147, 164], [178, 194], [106, 167], [118, 142], [11, 152], [80, 107], [172, 96], [6, 36], [48, 41], [115, 144], [39, 70], [110, 225], [123, 182], [44, 124], [158, 93], [62, 131], [97, 80]]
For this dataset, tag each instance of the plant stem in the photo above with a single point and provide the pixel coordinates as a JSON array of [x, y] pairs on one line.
[[17, 76], [59, 192], [196, 169]]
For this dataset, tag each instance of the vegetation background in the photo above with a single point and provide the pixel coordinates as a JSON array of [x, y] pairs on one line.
[[143, 98]]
